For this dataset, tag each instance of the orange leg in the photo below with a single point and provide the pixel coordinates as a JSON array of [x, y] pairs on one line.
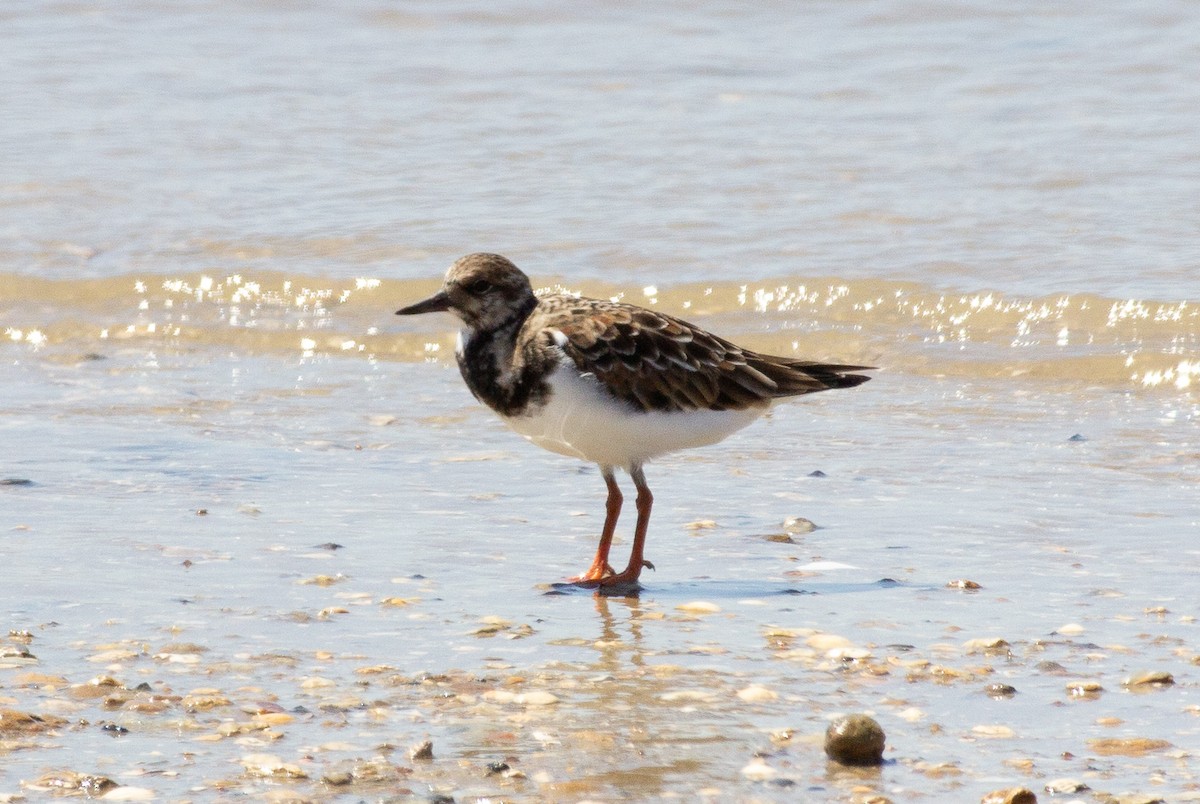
[[612, 508], [645, 501]]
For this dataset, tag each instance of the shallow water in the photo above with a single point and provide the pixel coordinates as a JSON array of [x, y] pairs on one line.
[[229, 473]]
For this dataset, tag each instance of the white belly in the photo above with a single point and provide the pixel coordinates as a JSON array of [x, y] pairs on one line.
[[582, 421]]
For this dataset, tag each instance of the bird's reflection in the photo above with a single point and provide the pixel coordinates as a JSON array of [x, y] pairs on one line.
[[609, 645]]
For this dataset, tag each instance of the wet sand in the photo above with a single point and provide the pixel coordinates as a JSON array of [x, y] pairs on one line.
[[182, 624]]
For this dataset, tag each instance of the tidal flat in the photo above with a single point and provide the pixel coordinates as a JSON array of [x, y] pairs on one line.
[[332, 579]]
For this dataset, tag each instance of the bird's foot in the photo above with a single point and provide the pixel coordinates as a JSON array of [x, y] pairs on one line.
[[594, 575], [616, 583]]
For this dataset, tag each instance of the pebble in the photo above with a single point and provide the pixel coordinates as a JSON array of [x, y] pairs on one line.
[[1051, 668], [337, 778], [1000, 690], [15, 722], [69, 782], [757, 770], [399, 602], [698, 607], [1127, 747], [422, 750], [756, 693], [322, 580], [1060, 787], [993, 732], [270, 765], [1085, 689], [536, 698], [1146, 678], [964, 584], [855, 740], [194, 702], [1011, 795], [796, 525]]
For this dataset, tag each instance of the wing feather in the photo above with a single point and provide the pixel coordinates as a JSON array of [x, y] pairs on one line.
[[653, 361]]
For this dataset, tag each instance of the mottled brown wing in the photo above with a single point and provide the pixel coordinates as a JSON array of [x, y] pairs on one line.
[[657, 362]]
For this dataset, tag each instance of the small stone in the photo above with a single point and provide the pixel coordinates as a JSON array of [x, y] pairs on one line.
[[338, 778], [1084, 689], [1145, 678], [1071, 629], [322, 580], [1000, 691], [757, 770], [536, 698], [422, 750], [964, 584], [269, 765], [67, 782], [797, 525], [993, 732], [399, 602], [494, 768], [987, 645], [701, 524], [698, 607], [104, 681], [1011, 795], [1051, 668], [855, 740], [1062, 787], [200, 702], [756, 693], [1131, 747]]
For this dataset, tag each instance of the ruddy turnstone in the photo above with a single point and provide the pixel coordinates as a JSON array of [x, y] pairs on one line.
[[607, 382]]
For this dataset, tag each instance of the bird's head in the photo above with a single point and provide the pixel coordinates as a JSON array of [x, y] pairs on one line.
[[484, 290]]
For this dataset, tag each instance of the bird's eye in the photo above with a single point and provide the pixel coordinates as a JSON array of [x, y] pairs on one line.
[[480, 286]]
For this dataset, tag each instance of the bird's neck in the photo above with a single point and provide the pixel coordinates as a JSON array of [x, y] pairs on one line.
[[493, 369]]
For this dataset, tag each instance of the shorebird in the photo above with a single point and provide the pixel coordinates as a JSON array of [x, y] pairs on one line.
[[607, 382]]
